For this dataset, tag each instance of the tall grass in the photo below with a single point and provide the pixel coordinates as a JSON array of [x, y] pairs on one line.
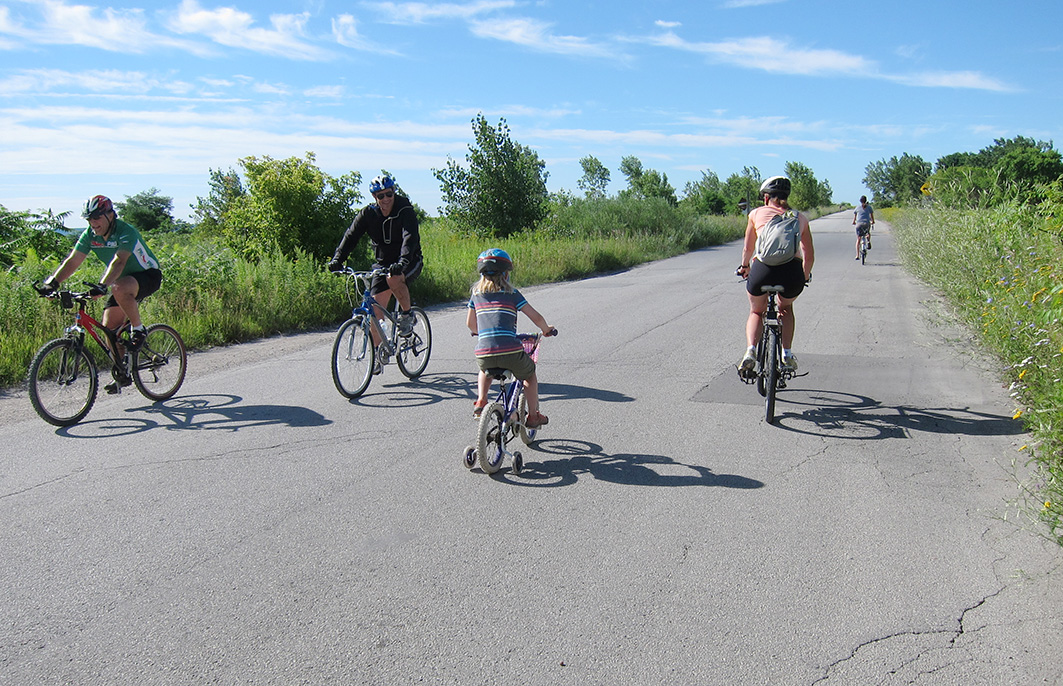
[[214, 297], [1002, 269]]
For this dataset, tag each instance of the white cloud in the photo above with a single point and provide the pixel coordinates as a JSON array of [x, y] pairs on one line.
[[233, 28], [668, 24], [954, 79], [737, 4], [770, 54], [421, 12], [333, 92], [535, 34]]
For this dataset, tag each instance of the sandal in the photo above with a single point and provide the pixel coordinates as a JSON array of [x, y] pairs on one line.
[[478, 409], [535, 420]]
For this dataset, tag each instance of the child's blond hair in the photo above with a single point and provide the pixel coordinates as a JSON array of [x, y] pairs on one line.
[[493, 283]]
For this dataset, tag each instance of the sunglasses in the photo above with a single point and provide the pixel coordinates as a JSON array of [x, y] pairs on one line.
[[385, 194]]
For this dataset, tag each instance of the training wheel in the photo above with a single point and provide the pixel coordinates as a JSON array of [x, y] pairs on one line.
[[469, 458], [518, 463]]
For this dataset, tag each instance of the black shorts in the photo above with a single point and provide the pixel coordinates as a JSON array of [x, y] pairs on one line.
[[863, 229], [380, 283], [150, 280], [791, 276]]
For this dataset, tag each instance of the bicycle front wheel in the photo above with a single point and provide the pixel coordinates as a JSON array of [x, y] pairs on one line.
[[63, 382], [491, 441], [772, 373], [415, 349], [159, 365], [353, 356]]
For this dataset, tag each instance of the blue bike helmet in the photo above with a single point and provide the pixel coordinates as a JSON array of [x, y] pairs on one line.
[[493, 261], [381, 183]]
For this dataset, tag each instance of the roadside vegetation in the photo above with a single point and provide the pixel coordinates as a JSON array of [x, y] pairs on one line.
[[985, 230]]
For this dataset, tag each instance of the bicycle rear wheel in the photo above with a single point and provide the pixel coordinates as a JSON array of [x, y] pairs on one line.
[[160, 364], [63, 382], [762, 346], [772, 374], [353, 356], [490, 441], [415, 349]]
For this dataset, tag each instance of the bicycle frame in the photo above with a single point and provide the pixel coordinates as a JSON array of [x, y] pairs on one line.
[[86, 323]]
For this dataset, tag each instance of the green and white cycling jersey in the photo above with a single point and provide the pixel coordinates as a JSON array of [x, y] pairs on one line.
[[123, 237]]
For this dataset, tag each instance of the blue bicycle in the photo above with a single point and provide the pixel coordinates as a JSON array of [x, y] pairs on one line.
[[354, 357], [504, 419]]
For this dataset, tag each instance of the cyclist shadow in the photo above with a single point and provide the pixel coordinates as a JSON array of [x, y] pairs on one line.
[[198, 413], [838, 414], [576, 457]]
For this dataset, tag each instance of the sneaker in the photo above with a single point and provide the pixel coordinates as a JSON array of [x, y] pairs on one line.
[[535, 420], [749, 361], [121, 380], [406, 320], [868, 243], [857, 258], [136, 339], [789, 361]]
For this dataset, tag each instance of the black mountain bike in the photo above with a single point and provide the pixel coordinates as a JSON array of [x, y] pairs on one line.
[[770, 375]]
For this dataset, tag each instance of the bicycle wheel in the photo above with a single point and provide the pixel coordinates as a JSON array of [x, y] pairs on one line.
[[63, 382], [353, 356], [160, 364], [491, 439], [863, 250], [762, 345], [527, 435], [772, 370], [415, 349]]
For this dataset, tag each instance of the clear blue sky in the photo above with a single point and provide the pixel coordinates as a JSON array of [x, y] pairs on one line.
[[118, 98]]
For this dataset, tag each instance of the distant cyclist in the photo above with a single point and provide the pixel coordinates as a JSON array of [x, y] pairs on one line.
[[863, 220], [792, 275], [392, 227], [132, 272]]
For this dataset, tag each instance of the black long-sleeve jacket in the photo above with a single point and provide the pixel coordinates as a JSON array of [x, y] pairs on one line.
[[395, 238]]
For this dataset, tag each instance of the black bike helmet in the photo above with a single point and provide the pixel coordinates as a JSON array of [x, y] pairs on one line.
[[778, 186]]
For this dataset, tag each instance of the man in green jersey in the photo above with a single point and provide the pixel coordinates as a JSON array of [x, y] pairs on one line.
[[132, 271]]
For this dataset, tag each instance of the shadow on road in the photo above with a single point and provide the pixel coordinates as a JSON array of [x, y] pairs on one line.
[[575, 458], [434, 388], [847, 415], [198, 413]]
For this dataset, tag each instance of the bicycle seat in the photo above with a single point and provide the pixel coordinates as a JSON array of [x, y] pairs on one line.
[[772, 289], [497, 373]]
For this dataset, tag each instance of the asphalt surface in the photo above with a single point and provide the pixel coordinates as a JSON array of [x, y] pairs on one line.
[[259, 528]]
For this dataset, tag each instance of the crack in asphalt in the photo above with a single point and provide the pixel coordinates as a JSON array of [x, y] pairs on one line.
[[954, 634]]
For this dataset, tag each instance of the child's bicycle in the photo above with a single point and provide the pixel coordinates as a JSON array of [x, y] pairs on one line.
[[63, 378], [355, 358], [504, 419], [770, 375]]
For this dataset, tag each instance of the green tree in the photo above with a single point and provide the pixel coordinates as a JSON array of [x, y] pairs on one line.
[[595, 177], [743, 186], [288, 204], [22, 233], [806, 191], [705, 196], [503, 190], [646, 183], [149, 211], [898, 180], [226, 189]]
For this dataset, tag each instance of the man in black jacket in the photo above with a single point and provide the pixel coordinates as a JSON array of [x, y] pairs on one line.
[[391, 224]]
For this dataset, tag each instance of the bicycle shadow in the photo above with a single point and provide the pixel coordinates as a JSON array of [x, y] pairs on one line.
[[208, 412], [576, 457], [429, 389], [839, 414]]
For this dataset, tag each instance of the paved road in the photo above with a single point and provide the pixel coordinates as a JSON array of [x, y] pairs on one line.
[[261, 529]]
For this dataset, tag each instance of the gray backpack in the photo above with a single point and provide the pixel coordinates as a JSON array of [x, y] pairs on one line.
[[777, 240]]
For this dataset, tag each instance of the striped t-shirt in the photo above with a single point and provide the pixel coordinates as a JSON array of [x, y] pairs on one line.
[[496, 322]]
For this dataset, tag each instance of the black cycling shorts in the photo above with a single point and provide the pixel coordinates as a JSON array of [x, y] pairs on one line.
[[150, 280], [791, 276], [380, 283]]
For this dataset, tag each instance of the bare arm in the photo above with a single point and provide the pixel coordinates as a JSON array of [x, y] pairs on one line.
[[470, 320], [68, 267], [114, 269], [537, 318], [749, 246], [808, 251]]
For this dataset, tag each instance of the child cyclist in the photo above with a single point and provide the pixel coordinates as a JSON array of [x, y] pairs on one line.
[[492, 316]]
